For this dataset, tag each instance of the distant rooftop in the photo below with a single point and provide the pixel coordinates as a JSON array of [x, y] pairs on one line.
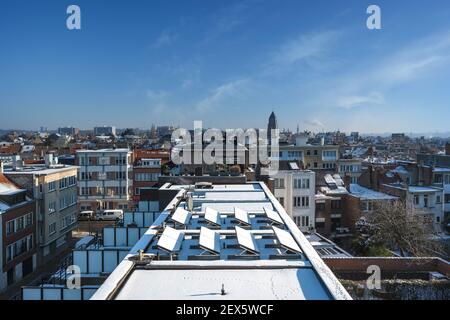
[[368, 194], [104, 150], [39, 169]]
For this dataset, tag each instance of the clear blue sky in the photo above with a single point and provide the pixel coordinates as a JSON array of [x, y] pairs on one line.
[[228, 63]]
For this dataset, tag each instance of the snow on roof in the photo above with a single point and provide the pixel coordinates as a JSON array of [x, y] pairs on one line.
[[400, 170], [266, 271], [441, 170], [239, 284], [104, 150], [368, 194], [419, 189]]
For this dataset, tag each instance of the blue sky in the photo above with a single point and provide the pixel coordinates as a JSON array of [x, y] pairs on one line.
[[228, 63]]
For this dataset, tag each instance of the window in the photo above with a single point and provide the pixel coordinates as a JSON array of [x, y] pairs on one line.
[[315, 152], [425, 201], [52, 228], [147, 176], [335, 204], [438, 178], [447, 198], [279, 183], [330, 154], [52, 207], [138, 191], [447, 179], [438, 199], [51, 186], [301, 202], [62, 183], [301, 183], [29, 219], [416, 199], [20, 224], [305, 221], [19, 247], [281, 201], [72, 180], [10, 227], [320, 206]]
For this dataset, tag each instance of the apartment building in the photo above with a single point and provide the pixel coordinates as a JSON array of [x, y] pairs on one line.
[[54, 188], [147, 168], [18, 256], [423, 200], [360, 202], [330, 203], [105, 179], [68, 131], [351, 168], [105, 131], [441, 179], [313, 157], [295, 190]]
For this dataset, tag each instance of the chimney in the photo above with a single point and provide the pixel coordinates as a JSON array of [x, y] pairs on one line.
[[15, 162], [48, 160]]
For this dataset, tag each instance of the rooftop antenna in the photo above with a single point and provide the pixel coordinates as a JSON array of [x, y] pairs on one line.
[[222, 291]]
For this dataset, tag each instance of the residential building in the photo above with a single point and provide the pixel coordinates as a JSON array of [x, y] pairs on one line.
[[294, 188], [18, 256], [147, 168], [329, 204], [105, 179], [105, 131], [422, 200], [68, 131], [54, 188], [350, 168], [360, 202], [313, 157]]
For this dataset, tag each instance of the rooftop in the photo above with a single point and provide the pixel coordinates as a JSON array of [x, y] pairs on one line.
[[237, 236], [368, 194], [39, 169], [105, 151]]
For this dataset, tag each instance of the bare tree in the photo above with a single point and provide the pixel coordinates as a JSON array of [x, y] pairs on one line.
[[399, 226]]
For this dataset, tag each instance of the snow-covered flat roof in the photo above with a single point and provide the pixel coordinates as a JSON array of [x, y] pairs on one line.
[[441, 170], [104, 151], [419, 189], [239, 284], [251, 260], [368, 194]]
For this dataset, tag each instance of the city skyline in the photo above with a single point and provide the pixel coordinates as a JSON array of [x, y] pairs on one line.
[[228, 64]]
